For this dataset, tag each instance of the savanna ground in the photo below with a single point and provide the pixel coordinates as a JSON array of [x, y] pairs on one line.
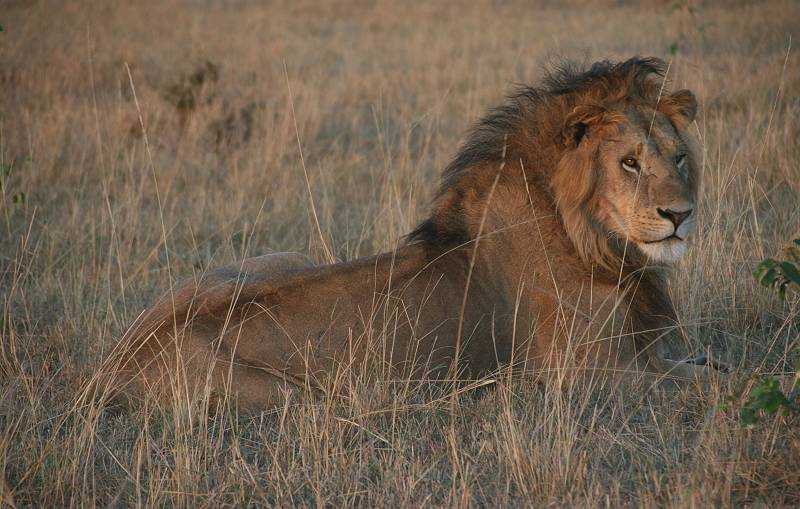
[[99, 214]]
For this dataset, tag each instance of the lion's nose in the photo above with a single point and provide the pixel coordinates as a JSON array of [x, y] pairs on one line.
[[676, 217]]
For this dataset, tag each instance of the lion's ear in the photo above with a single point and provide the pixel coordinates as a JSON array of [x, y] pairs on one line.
[[579, 121], [680, 107]]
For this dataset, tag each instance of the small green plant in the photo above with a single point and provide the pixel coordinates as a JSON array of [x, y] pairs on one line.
[[781, 274], [767, 397]]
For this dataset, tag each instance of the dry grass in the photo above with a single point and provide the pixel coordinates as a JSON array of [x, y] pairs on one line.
[[382, 93]]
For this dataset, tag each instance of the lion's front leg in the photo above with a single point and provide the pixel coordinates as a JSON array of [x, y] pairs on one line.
[[705, 360], [702, 369]]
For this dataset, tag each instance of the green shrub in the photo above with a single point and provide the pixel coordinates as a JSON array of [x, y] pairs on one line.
[[780, 274], [767, 397]]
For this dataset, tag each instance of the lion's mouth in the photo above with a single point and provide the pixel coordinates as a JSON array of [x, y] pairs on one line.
[[669, 237]]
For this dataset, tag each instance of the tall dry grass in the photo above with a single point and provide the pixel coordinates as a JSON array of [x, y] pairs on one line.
[[94, 225]]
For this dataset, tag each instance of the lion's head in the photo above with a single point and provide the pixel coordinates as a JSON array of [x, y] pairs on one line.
[[630, 172], [608, 144]]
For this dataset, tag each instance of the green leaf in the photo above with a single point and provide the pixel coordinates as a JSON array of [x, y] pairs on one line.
[[18, 198], [767, 396], [769, 278], [773, 402], [797, 241], [673, 49], [790, 272], [769, 263], [748, 416], [761, 389]]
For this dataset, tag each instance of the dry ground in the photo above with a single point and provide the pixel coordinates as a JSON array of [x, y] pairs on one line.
[[382, 93]]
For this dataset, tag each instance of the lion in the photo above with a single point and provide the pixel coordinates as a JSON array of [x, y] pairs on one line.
[[544, 251]]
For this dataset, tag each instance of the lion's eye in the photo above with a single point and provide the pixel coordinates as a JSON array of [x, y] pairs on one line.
[[680, 160], [630, 164]]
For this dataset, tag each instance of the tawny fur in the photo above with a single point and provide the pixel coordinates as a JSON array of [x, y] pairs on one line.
[[538, 254]]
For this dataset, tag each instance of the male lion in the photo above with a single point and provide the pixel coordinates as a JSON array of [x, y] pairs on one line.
[[542, 251]]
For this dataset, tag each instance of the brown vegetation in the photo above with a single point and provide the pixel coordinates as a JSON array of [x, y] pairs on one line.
[[240, 111]]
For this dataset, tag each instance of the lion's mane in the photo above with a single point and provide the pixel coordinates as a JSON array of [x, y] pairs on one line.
[[537, 126]]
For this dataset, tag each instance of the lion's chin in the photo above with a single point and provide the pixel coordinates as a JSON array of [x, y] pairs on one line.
[[667, 251]]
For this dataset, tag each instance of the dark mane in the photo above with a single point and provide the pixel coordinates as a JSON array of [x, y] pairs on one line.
[[528, 127]]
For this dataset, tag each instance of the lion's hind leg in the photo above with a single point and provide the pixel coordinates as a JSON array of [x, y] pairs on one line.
[[251, 388]]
